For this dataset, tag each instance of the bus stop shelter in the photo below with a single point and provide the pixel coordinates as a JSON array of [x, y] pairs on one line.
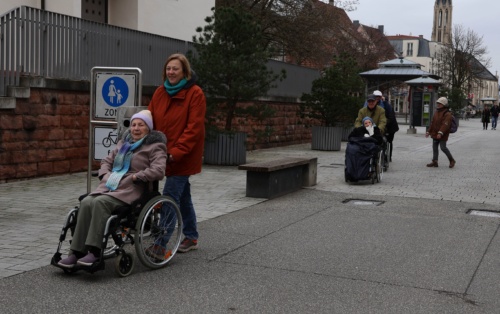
[[393, 73]]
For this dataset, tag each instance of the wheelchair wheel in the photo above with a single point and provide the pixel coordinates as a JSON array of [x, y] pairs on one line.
[[380, 166], [158, 232], [124, 264]]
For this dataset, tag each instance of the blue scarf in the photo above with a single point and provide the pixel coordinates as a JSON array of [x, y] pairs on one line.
[[172, 90], [122, 162]]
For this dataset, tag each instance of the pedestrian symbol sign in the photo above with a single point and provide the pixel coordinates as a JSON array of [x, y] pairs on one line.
[[114, 90]]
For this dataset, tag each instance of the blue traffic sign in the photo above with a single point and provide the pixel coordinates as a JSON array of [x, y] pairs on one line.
[[115, 91]]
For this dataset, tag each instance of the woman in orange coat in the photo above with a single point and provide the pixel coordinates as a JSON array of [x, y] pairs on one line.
[[439, 131], [178, 108]]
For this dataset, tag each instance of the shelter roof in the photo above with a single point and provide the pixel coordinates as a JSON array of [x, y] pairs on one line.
[[400, 69], [424, 80]]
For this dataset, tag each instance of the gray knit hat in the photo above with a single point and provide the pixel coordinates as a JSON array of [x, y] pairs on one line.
[[144, 115]]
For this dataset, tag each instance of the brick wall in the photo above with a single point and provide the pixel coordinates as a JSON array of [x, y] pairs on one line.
[[47, 134], [283, 128]]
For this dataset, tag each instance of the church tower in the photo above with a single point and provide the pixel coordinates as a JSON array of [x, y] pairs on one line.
[[441, 29]]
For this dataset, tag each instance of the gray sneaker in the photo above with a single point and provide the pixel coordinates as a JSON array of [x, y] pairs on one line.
[[188, 245]]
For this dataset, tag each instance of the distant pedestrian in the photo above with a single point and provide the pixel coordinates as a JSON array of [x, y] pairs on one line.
[[485, 117], [439, 130], [494, 116]]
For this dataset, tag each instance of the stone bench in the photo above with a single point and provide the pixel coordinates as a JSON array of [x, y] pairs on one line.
[[270, 179]]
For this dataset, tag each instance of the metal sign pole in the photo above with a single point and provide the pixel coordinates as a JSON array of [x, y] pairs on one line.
[[110, 89]]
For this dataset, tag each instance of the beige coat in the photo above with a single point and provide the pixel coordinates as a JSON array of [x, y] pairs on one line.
[[148, 164]]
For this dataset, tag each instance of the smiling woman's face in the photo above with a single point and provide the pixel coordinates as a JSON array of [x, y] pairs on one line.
[[174, 72], [138, 129]]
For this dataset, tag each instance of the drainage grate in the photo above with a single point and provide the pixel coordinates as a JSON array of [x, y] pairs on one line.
[[362, 202], [484, 213]]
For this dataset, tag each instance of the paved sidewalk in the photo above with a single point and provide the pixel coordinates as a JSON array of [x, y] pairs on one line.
[[32, 211]]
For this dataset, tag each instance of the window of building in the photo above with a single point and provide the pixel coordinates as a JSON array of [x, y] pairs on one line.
[[94, 10], [440, 18], [409, 49], [396, 104]]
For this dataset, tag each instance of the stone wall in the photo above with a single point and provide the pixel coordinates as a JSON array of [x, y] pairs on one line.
[[47, 133]]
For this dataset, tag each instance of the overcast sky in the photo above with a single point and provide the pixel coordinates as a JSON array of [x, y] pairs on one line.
[[415, 18]]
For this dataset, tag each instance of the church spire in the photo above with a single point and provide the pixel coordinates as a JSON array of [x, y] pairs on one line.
[[441, 28]]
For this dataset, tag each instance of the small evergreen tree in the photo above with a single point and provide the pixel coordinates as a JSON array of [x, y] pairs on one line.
[[336, 97], [230, 61]]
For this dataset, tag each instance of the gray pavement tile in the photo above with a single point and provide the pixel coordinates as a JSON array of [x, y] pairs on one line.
[[4, 272]]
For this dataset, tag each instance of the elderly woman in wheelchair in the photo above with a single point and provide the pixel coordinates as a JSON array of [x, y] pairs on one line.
[[139, 158]]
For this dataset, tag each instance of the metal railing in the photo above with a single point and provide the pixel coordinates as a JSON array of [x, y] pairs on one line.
[[35, 42]]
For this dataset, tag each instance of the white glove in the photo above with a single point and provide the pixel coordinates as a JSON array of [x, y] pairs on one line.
[[370, 130], [367, 135]]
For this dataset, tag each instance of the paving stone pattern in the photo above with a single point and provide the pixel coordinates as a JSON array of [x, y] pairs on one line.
[[32, 211]]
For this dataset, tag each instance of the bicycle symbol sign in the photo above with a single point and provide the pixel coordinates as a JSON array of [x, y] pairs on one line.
[[111, 139], [105, 141]]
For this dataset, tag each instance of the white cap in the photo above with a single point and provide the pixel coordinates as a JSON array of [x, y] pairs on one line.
[[377, 93], [443, 101]]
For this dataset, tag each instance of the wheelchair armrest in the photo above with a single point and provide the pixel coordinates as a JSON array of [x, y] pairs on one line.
[[81, 197]]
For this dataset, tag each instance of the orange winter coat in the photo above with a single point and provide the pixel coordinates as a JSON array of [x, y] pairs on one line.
[[182, 119]]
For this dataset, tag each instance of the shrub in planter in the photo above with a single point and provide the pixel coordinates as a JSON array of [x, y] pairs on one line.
[[230, 61], [335, 98]]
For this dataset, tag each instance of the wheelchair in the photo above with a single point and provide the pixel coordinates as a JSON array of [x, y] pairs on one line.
[[364, 160], [143, 224]]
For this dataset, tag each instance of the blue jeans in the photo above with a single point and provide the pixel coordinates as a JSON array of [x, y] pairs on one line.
[[179, 188], [494, 122]]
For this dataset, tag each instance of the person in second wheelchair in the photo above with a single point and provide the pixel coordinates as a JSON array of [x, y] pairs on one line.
[[368, 129], [364, 144], [139, 157]]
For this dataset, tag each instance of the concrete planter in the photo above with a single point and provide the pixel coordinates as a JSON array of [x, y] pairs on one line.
[[226, 150], [326, 138]]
